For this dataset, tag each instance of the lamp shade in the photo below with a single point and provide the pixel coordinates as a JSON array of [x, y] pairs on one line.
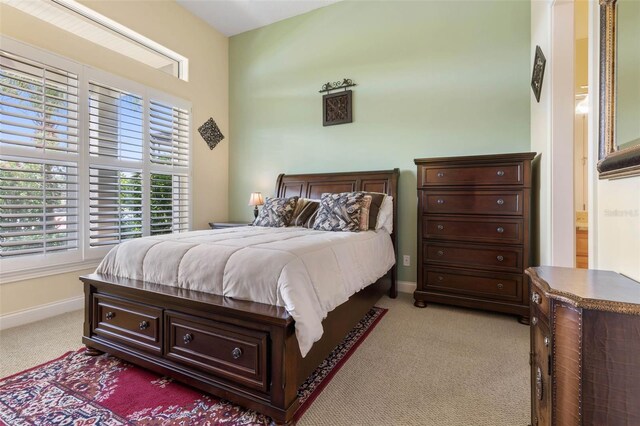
[[256, 199]]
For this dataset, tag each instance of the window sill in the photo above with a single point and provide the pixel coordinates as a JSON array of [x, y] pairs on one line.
[[45, 271]]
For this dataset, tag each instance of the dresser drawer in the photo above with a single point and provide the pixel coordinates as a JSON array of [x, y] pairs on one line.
[[541, 379], [473, 202], [472, 256], [494, 174], [540, 304], [134, 324], [225, 350], [498, 230], [480, 284]]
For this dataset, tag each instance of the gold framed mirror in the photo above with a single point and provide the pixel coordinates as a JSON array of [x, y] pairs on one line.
[[619, 138]]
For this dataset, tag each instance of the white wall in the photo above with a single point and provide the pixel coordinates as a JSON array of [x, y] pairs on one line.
[[541, 135]]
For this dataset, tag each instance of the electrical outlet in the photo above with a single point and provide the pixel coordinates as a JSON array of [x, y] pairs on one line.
[[406, 260]]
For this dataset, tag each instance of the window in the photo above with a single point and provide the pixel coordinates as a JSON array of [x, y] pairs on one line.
[[87, 160]]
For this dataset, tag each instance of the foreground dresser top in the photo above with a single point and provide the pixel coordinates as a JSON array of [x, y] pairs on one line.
[[588, 288]]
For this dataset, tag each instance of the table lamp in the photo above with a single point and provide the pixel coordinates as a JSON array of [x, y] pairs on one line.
[[256, 200]]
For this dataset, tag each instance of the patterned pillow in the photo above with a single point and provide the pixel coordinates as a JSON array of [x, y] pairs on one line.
[[305, 208], [339, 212], [377, 199], [364, 213], [276, 212]]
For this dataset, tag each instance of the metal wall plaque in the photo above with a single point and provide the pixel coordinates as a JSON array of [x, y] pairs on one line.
[[336, 108]]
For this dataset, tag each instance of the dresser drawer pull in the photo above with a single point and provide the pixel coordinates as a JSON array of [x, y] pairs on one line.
[[546, 341], [534, 320], [500, 286], [440, 201], [236, 353], [500, 173], [144, 325], [440, 253], [500, 230], [440, 278], [440, 227], [188, 338], [440, 174], [500, 258], [539, 383], [500, 201], [110, 315], [535, 298]]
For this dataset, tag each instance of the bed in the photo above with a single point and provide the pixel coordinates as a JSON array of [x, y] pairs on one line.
[[244, 351]]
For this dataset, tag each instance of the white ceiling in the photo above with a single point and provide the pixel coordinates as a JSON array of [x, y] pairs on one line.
[[232, 17]]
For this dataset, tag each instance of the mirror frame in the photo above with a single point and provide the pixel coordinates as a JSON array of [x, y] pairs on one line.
[[614, 163]]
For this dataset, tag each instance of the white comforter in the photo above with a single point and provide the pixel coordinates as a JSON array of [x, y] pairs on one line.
[[308, 272]]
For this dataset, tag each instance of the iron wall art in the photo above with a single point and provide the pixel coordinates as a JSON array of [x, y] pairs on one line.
[[538, 73], [211, 133], [337, 107]]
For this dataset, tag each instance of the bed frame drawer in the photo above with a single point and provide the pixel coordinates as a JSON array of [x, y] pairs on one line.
[[227, 351], [132, 323]]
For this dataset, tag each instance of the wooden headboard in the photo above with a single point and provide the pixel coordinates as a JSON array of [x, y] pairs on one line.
[[314, 185]]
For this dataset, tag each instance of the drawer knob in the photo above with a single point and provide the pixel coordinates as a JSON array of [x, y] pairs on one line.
[[440, 227], [110, 315], [440, 253], [500, 258], [440, 174], [500, 173], [534, 320], [500, 201], [440, 278], [500, 230], [535, 298], [236, 353], [546, 341], [440, 201], [500, 286], [144, 325], [187, 338]]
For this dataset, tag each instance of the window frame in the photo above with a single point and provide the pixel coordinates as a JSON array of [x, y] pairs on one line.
[[85, 256]]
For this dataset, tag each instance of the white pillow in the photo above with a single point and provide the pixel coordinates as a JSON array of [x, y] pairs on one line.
[[385, 216]]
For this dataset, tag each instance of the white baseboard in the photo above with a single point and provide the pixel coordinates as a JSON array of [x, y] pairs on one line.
[[406, 287], [41, 312]]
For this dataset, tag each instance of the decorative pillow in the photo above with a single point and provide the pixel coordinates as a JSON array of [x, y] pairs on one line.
[[339, 212], [377, 198], [312, 219], [364, 213], [305, 208], [276, 212], [385, 218]]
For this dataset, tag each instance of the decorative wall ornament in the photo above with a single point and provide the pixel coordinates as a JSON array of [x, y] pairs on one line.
[[337, 107], [211, 133], [538, 73]]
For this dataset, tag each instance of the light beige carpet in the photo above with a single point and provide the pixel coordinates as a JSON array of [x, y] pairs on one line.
[[436, 366]]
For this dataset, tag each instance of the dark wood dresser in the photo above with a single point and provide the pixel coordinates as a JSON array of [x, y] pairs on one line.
[[585, 347], [473, 232]]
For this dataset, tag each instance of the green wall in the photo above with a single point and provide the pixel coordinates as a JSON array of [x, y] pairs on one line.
[[435, 78]]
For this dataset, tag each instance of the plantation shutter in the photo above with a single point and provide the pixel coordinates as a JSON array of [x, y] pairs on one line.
[[115, 206], [169, 203], [38, 207], [115, 123], [38, 105], [169, 133]]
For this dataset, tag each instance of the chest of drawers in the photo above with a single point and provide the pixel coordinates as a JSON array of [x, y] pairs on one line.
[[474, 232], [585, 362]]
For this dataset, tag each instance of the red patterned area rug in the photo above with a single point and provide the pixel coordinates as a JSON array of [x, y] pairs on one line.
[[80, 390]]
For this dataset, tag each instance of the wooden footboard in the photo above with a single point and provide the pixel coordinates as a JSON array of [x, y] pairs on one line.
[[242, 351]]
